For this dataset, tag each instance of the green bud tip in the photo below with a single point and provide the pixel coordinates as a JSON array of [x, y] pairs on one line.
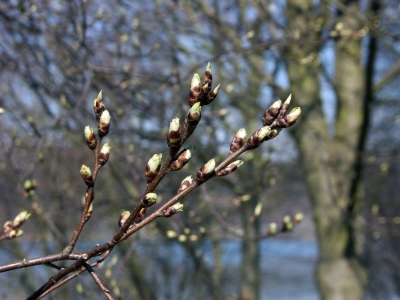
[[195, 81], [85, 171], [298, 218], [209, 166], [88, 132], [195, 109], [174, 125], [172, 234], [90, 210], [272, 228], [208, 69], [151, 197], [105, 117], [21, 218], [241, 133], [105, 149], [287, 101], [178, 207], [154, 162], [257, 210], [294, 113], [216, 90]]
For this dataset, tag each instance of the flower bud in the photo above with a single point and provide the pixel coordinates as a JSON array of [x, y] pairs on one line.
[[208, 77], [149, 199], [298, 218], [8, 226], [238, 140], [140, 215], [124, 216], [284, 107], [87, 175], [290, 118], [185, 183], [153, 167], [259, 136], [172, 234], [98, 105], [104, 154], [194, 114], [195, 90], [170, 211], [20, 219], [206, 170], [90, 211], [212, 95], [15, 233], [272, 229], [230, 168], [182, 159], [90, 137], [287, 223], [174, 132], [104, 124], [271, 113]]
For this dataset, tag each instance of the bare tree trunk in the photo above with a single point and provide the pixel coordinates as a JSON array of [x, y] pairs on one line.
[[329, 162]]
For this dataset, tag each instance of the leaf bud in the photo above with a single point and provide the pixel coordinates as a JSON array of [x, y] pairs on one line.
[[185, 183], [174, 132], [104, 123], [291, 117], [124, 216], [271, 113], [195, 90], [90, 137], [272, 229], [104, 154], [182, 159], [15, 233], [298, 218], [206, 170], [284, 108], [194, 114], [208, 77], [90, 211], [140, 215], [20, 219], [149, 199], [212, 95], [8, 226], [230, 168], [287, 223], [98, 105], [172, 234], [153, 167], [259, 136], [238, 140], [170, 211], [87, 175]]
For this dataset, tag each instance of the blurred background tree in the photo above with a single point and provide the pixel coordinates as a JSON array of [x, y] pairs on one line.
[[340, 60]]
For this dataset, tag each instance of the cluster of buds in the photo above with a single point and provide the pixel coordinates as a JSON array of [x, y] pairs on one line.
[[103, 124], [29, 187], [187, 235], [274, 119], [201, 91], [11, 229]]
